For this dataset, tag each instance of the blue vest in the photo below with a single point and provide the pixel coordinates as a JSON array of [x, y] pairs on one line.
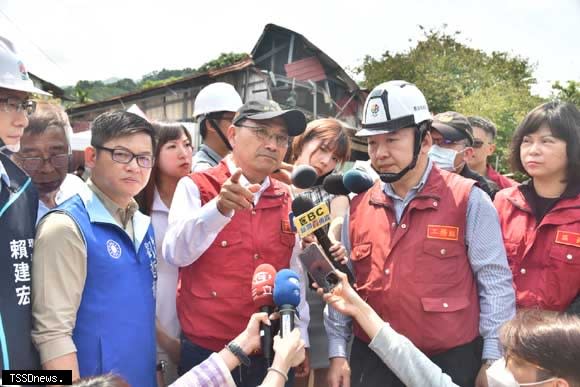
[[18, 206], [115, 326]]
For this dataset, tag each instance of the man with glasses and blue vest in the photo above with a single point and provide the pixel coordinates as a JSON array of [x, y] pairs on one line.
[[18, 206], [95, 263]]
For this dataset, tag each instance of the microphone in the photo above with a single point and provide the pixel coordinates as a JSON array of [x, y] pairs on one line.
[[262, 286], [304, 176], [287, 298], [334, 185], [357, 181], [302, 205]]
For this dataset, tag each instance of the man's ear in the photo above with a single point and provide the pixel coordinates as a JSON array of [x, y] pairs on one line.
[[426, 143], [491, 149], [90, 157], [231, 134], [468, 153]]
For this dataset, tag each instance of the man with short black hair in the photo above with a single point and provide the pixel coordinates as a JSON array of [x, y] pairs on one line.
[[95, 263], [18, 206], [484, 133], [453, 147], [426, 249]]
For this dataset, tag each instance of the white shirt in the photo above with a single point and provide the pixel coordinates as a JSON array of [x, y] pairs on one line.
[[167, 275], [70, 186], [193, 228], [4, 175]]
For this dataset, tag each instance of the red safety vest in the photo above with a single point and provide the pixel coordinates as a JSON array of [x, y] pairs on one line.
[[500, 180], [214, 299], [545, 257], [416, 274]]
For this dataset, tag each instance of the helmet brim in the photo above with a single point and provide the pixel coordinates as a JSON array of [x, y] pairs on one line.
[[27, 89]]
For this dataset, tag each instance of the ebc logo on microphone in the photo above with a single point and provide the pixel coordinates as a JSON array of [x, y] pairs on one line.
[[114, 249], [312, 220]]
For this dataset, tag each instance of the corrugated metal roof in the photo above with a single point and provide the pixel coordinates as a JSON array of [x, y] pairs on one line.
[[306, 69], [326, 61]]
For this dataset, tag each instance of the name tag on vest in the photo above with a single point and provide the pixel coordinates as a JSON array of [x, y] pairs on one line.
[[449, 233], [568, 238]]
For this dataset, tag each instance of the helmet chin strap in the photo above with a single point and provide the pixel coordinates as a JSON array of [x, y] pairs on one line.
[[221, 134], [392, 177]]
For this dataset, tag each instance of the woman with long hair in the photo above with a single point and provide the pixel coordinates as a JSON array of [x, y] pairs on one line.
[[325, 146], [540, 219], [173, 158]]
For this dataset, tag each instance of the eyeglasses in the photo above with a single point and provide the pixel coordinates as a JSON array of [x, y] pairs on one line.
[[13, 105], [444, 141], [123, 156], [263, 133], [477, 143], [35, 163]]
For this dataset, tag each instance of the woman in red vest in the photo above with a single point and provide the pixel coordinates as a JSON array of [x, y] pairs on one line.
[[540, 219], [324, 145]]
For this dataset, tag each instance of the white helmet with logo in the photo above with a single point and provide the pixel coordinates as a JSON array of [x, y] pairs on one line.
[[13, 74], [217, 97], [393, 105]]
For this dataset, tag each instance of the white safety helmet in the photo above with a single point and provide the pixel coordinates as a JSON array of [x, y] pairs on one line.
[[13, 74], [216, 97], [393, 105]]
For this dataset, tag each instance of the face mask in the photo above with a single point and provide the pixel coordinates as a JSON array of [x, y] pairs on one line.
[[442, 157], [498, 375]]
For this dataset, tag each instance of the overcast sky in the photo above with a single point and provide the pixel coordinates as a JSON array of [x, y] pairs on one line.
[[68, 40]]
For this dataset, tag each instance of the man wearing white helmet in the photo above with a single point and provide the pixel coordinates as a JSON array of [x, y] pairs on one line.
[[431, 262], [18, 206], [214, 109]]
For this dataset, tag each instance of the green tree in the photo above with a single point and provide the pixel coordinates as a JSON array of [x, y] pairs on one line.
[[568, 93], [454, 76]]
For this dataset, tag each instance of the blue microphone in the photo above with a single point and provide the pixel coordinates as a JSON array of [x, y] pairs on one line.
[[287, 298], [357, 181]]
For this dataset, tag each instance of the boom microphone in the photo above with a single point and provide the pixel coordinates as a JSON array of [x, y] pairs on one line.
[[303, 204], [304, 176], [262, 294], [287, 298]]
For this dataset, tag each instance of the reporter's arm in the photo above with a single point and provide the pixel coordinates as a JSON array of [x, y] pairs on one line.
[[410, 365]]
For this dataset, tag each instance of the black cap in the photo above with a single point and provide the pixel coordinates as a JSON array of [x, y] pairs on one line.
[[259, 110], [453, 127]]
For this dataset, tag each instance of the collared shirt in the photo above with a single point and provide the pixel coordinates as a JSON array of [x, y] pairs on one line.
[[212, 372], [4, 175], [58, 282], [167, 275], [193, 228], [71, 186], [205, 158], [487, 257]]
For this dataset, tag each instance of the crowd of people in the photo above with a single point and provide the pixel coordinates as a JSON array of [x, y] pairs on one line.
[[142, 274]]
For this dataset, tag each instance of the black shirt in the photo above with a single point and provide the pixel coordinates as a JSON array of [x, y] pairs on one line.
[[541, 206]]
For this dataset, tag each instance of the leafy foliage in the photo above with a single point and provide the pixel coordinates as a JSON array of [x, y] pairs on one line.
[[568, 93], [90, 91], [454, 76]]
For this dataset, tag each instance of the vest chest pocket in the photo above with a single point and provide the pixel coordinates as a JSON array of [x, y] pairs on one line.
[[439, 261], [362, 262]]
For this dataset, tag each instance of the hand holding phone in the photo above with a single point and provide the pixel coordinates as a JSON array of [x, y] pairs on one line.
[[319, 267]]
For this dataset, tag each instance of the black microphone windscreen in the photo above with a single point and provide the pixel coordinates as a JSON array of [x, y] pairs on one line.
[[301, 204], [334, 185], [304, 176], [357, 181]]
